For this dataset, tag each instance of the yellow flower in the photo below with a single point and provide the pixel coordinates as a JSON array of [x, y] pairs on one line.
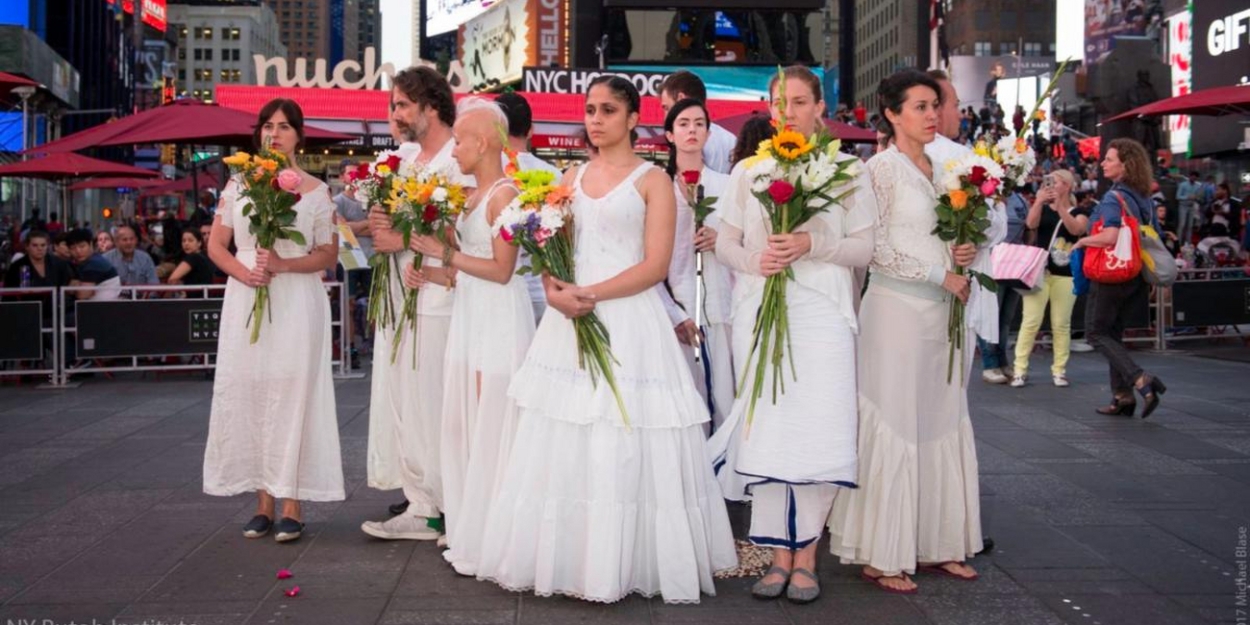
[[238, 159], [268, 164], [981, 149], [411, 187], [382, 169], [791, 145], [959, 199]]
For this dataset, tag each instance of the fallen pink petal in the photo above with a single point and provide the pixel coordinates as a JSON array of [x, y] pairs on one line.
[[284, 574], [294, 592]]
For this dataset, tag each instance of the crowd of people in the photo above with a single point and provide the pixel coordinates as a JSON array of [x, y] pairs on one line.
[[515, 459]]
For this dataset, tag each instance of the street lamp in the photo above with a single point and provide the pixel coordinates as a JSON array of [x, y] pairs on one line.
[[24, 92]]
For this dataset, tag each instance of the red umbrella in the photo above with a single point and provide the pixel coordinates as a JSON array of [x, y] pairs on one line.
[[845, 132], [9, 81], [114, 183], [70, 165], [203, 180], [1233, 100], [186, 121]]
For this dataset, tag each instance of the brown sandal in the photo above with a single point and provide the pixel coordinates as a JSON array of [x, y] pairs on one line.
[[877, 581], [940, 569]]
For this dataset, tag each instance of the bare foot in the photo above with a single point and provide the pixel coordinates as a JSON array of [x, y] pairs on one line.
[[291, 509], [264, 504], [900, 582]]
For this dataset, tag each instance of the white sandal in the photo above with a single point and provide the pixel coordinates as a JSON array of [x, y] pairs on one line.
[[1061, 381]]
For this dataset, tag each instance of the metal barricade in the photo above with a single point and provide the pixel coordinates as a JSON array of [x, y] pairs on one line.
[[28, 316], [120, 335], [1214, 302]]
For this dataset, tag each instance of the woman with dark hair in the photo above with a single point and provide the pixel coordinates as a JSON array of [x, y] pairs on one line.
[[1107, 309], [800, 448], [687, 130], [195, 268], [756, 129], [591, 506], [273, 427], [917, 505]]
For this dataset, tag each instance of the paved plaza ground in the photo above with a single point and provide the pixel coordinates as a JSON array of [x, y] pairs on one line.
[[1097, 520]]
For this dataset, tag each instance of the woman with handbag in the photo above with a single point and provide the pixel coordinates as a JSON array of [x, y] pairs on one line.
[[1116, 281], [1056, 221]]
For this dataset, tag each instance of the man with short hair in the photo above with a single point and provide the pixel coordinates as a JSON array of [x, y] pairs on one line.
[[134, 266], [985, 310], [91, 269], [37, 268], [1188, 198], [405, 407], [719, 148]]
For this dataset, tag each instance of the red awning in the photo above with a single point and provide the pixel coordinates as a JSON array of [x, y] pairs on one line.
[[70, 165], [186, 121], [203, 181], [1233, 100], [845, 132], [115, 183]]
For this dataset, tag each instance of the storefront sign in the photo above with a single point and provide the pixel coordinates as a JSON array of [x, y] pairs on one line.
[[1180, 40], [1221, 58], [153, 12], [495, 45], [367, 77], [546, 80]]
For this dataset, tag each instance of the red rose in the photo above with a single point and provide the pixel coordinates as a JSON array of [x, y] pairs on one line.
[[393, 162], [430, 214], [978, 175], [690, 177], [298, 197], [506, 235], [362, 171], [274, 183], [781, 191]]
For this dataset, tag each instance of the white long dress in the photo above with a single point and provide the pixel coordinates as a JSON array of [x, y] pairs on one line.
[[405, 407], [590, 508], [492, 325], [918, 492], [800, 448], [273, 425]]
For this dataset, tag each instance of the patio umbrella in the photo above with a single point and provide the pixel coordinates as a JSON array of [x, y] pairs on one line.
[[203, 180], [845, 132], [186, 122], [9, 81], [1233, 100], [70, 165], [114, 183]]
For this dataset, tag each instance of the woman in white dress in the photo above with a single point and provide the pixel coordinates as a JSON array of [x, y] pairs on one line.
[[591, 507], [492, 323], [273, 428], [917, 502], [799, 450], [686, 128]]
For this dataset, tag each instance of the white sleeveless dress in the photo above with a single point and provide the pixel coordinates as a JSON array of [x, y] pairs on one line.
[[492, 325], [589, 508], [273, 424]]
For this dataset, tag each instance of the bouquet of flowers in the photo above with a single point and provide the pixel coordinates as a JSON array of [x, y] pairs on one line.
[[426, 204], [1017, 159], [373, 183], [971, 182], [540, 221], [794, 178], [270, 186]]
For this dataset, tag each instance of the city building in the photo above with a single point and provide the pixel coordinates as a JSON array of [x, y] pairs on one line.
[[321, 29], [369, 27], [888, 35], [1000, 27], [216, 41]]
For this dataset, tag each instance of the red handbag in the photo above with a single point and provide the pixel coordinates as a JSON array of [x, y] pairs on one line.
[[1102, 264]]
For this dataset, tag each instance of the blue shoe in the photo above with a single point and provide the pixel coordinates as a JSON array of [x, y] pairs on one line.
[[287, 530], [257, 527]]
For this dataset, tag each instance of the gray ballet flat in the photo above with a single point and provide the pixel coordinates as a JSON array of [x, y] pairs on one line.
[[804, 595], [771, 591]]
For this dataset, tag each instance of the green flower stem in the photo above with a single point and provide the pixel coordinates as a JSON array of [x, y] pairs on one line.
[[408, 313]]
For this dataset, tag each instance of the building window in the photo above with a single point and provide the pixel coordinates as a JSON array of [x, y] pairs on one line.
[[981, 48], [182, 54], [983, 20], [1007, 47], [236, 76], [199, 54], [182, 30], [1007, 20], [182, 75], [208, 54], [208, 33], [225, 75], [1032, 48], [199, 34], [234, 34]]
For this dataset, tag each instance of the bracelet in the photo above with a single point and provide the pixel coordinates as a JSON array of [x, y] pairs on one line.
[[447, 254]]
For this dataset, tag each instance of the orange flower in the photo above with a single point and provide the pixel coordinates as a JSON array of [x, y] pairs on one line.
[[510, 169], [270, 165], [1021, 146], [959, 199], [424, 193], [558, 195]]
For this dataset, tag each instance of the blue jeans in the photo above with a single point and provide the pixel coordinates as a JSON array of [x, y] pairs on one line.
[[994, 355]]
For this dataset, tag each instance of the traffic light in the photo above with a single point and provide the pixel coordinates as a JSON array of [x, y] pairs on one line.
[[107, 213], [168, 154], [167, 90]]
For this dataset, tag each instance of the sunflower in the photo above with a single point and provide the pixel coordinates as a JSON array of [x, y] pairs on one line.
[[791, 145]]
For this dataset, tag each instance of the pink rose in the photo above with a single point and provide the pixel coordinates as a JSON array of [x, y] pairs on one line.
[[288, 180], [989, 187]]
